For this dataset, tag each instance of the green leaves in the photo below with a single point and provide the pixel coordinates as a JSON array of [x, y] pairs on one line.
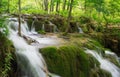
[[7, 66], [3, 27]]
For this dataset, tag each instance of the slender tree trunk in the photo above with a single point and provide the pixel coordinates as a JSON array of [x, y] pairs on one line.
[[46, 5], [85, 6], [19, 18], [57, 5], [8, 9], [69, 16], [68, 5], [70, 10], [52, 5], [64, 5], [0, 3]]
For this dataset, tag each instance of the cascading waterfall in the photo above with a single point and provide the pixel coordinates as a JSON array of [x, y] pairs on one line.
[[105, 64], [30, 61], [112, 54]]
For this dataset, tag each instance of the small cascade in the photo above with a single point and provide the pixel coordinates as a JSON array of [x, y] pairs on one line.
[[43, 27], [80, 30], [55, 29], [106, 64], [33, 27], [13, 25], [113, 54], [29, 59]]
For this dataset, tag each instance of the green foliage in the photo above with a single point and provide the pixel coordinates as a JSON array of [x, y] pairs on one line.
[[41, 32], [7, 65], [3, 27], [6, 50]]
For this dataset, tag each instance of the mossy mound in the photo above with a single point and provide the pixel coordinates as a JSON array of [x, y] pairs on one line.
[[72, 61], [66, 61], [7, 57]]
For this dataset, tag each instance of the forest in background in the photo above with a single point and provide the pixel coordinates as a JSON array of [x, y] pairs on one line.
[[106, 11]]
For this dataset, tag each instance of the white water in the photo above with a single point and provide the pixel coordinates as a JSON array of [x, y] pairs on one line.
[[105, 64], [43, 27], [80, 30], [30, 61], [55, 29], [33, 26]]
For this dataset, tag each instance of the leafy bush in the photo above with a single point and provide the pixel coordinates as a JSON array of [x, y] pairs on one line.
[[3, 27]]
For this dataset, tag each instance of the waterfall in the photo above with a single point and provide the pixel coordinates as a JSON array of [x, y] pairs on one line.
[[105, 64], [80, 30], [43, 27], [55, 29], [33, 27], [29, 59]]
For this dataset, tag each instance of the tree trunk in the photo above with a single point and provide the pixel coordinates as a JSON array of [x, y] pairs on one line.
[[0, 3], [8, 9], [64, 5], [85, 6], [68, 5], [69, 16], [52, 5], [46, 5], [19, 18], [57, 5], [70, 10]]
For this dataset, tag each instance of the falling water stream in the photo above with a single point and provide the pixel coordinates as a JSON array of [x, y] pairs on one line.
[[30, 61], [106, 64], [80, 30]]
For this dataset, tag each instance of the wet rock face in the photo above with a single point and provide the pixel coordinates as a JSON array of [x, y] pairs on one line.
[[113, 43], [50, 22], [108, 40]]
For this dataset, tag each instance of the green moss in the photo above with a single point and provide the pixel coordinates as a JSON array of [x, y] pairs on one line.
[[99, 73], [41, 32], [66, 61], [93, 62]]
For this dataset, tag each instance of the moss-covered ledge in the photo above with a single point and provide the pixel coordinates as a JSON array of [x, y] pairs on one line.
[[72, 61], [66, 61]]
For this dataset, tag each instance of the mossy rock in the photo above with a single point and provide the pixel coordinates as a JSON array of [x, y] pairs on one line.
[[93, 62], [66, 61], [99, 73], [72, 61]]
